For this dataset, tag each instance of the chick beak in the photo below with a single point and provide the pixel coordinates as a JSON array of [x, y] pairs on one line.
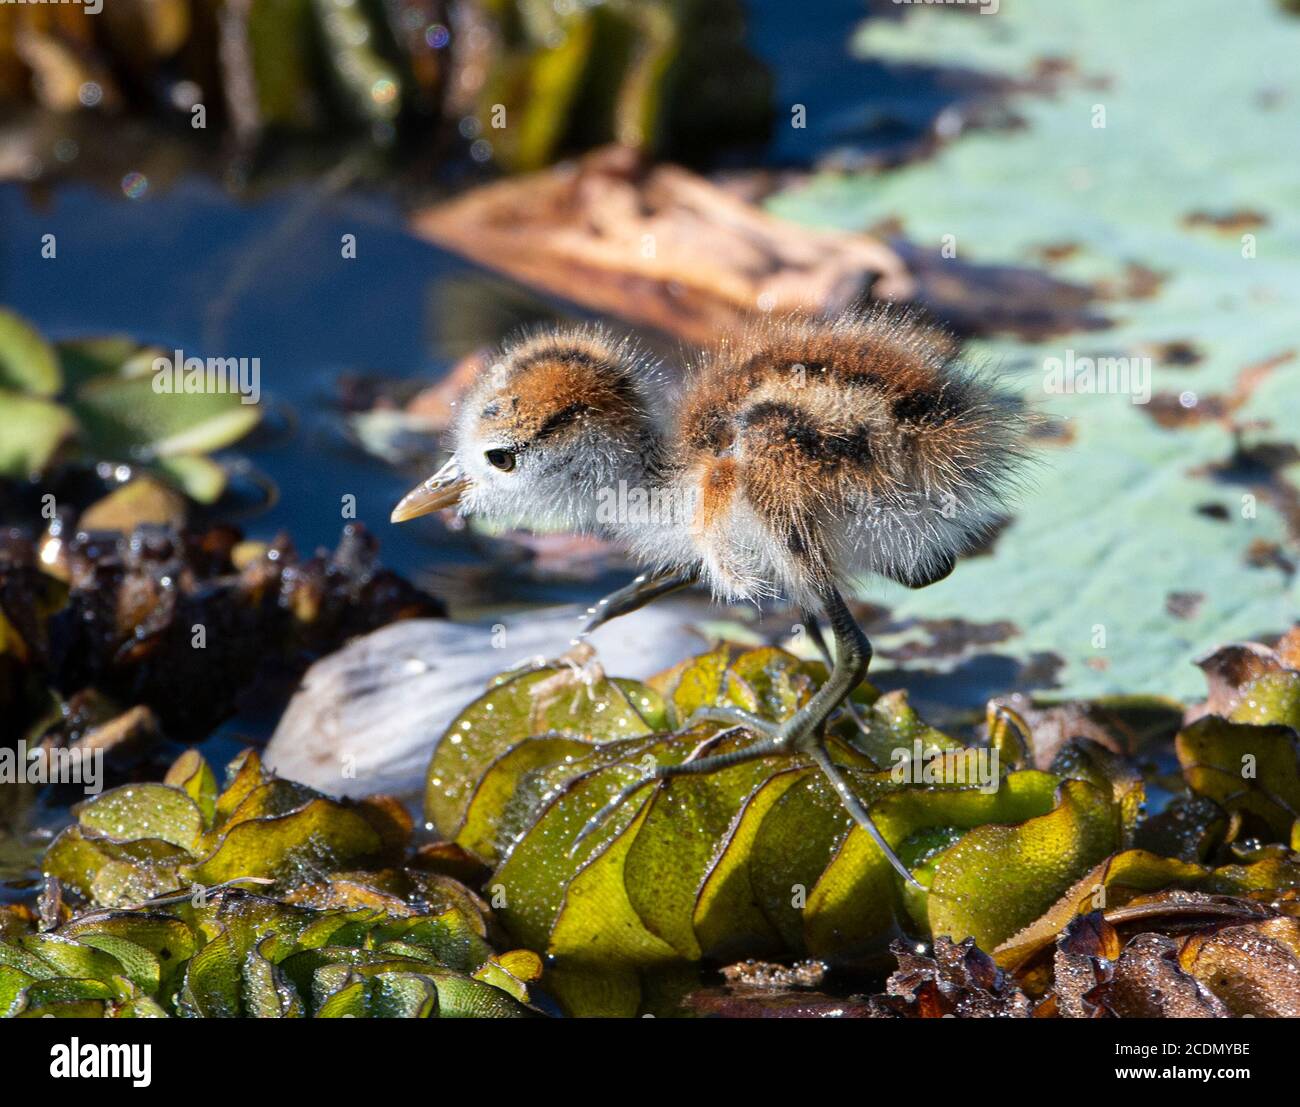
[[443, 489]]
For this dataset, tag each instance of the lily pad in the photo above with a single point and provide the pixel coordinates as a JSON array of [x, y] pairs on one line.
[[1087, 601]]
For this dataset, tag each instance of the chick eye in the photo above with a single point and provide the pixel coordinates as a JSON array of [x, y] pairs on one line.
[[500, 459]]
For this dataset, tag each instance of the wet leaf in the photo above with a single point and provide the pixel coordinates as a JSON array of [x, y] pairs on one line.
[[1252, 769], [323, 834], [858, 891], [678, 841], [534, 703], [997, 879], [1253, 969], [957, 980], [191, 773], [114, 874], [137, 811], [1270, 698], [1127, 876], [762, 858]]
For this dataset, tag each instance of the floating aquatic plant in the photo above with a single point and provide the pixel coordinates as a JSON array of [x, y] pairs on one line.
[[761, 860], [261, 899], [1043, 886], [94, 399]]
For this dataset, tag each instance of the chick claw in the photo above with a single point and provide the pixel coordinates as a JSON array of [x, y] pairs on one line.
[[578, 667], [694, 764], [600, 817]]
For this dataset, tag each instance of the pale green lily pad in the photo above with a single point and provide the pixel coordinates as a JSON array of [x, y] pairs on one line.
[[1113, 521]]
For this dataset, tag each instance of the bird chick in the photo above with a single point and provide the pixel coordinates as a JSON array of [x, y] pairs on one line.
[[799, 455]]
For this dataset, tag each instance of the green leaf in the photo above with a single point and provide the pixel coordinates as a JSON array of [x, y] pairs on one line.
[[533, 703], [322, 835], [727, 919], [504, 800], [859, 889], [126, 419], [34, 430], [193, 775], [997, 879], [27, 362], [114, 874], [200, 478], [1253, 769], [84, 359], [168, 941], [137, 811], [1121, 878], [1270, 698], [535, 876], [678, 840]]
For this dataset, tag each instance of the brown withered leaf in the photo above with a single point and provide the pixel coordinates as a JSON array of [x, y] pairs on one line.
[[1082, 963], [1233, 668], [578, 230], [1097, 975], [1147, 982], [1252, 969], [958, 979]]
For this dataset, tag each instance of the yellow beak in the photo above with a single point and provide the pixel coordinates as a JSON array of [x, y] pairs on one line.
[[443, 489]]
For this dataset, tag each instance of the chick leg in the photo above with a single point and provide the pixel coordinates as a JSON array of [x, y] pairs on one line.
[[580, 657], [692, 766], [637, 594], [814, 631], [804, 732]]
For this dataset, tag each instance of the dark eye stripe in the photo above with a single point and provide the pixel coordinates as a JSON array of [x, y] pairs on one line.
[[558, 420]]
